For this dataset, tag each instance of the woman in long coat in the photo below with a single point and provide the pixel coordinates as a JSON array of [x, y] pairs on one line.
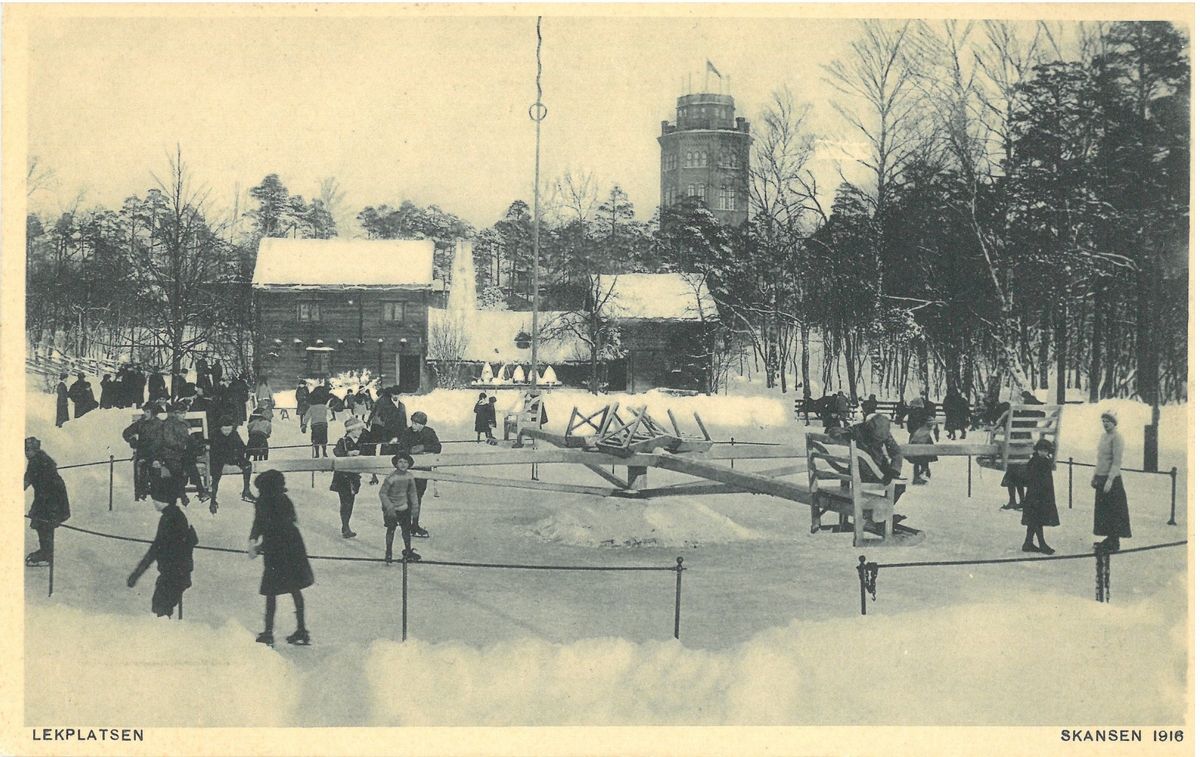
[[483, 424], [285, 559], [62, 412], [1111, 518], [1039, 509]]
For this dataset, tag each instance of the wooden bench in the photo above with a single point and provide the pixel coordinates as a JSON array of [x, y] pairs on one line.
[[1018, 429], [835, 485]]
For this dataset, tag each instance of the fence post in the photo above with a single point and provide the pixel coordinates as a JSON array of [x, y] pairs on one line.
[[50, 590], [181, 607], [678, 591], [1102, 573], [1174, 473], [968, 475], [862, 582], [1070, 482], [404, 598], [731, 443], [111, 461]]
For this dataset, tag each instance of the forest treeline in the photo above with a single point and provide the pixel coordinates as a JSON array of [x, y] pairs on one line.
[[1025, 215]]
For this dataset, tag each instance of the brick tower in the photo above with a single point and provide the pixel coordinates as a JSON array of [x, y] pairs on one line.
[[706, 154]]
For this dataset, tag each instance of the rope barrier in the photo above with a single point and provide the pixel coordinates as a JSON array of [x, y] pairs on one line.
[[1044, 558], [677, 568], [98, 462], [344, 558], [868, 572]]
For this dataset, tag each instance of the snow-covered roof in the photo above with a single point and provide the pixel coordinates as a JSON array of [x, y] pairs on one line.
[[344, 262], [657, 296], [491, 336]]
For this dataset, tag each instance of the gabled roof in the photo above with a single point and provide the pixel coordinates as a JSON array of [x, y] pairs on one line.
[[657, 297], [302, 263]]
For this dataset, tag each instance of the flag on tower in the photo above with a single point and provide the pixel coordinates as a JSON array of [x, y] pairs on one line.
[[713, 68]]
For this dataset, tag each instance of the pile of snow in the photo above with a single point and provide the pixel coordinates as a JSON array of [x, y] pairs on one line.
[[981, 664], [157, 672], [631, 523]]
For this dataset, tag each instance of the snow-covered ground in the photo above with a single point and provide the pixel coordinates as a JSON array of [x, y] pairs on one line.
[[770, 630]]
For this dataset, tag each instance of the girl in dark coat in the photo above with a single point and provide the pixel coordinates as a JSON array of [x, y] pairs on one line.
[[301, 400], [482, 423], [50, 503], [1039, 509], [62, 412], [285, 559]]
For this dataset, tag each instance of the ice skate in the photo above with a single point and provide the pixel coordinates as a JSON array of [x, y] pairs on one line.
[[348, 534], [300, 638], [411, 555], [248, 496], [212, 507], [266, 637], [419, 532], [36, 560]]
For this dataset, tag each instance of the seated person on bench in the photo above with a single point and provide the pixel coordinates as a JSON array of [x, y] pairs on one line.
[[874, 437]]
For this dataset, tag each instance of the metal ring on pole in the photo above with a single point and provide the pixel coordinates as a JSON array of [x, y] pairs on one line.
[[537, 112]]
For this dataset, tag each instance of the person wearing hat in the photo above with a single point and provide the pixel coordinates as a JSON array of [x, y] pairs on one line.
[[347, 484], [1038, 510], [1111, 517], [258, 433], [317, 416], [139, 436], [301, 400], [170, 448], [225, 447], [398, 497], [83, 397], [286, 569], [172, 550], [62, 413], [51, 506], [417, 439]]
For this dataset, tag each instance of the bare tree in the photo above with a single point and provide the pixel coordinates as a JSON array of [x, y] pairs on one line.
[[592, 324], [177, 270], [38, 176], [883, 74], [574, 196], [333, 198], [448, 343]]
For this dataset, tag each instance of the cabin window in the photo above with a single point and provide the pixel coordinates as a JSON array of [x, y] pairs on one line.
[[393, 312], [309, 311]]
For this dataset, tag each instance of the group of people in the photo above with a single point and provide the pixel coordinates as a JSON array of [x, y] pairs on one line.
[[166, 451], [274, 534], [1033, 486], [381, 439], [1030, 484]]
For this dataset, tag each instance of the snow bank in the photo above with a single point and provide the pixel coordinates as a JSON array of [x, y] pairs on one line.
[[986, 664], [616, 523], [96, 669]]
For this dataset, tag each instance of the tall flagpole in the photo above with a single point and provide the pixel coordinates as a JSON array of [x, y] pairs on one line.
[[537, 112]]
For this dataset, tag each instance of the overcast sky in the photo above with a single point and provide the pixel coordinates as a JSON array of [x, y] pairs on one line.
[[432, 109]]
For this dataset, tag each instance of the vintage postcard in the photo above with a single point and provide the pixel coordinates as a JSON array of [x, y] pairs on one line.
[[585, 379]]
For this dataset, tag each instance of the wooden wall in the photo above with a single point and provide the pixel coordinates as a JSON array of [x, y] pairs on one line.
[[354, 316]]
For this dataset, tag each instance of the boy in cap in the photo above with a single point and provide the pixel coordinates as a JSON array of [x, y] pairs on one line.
[[226, 447], [140, 436], [398, 497], [420, 438], [344, 483], [172, 549], [50, 506]]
